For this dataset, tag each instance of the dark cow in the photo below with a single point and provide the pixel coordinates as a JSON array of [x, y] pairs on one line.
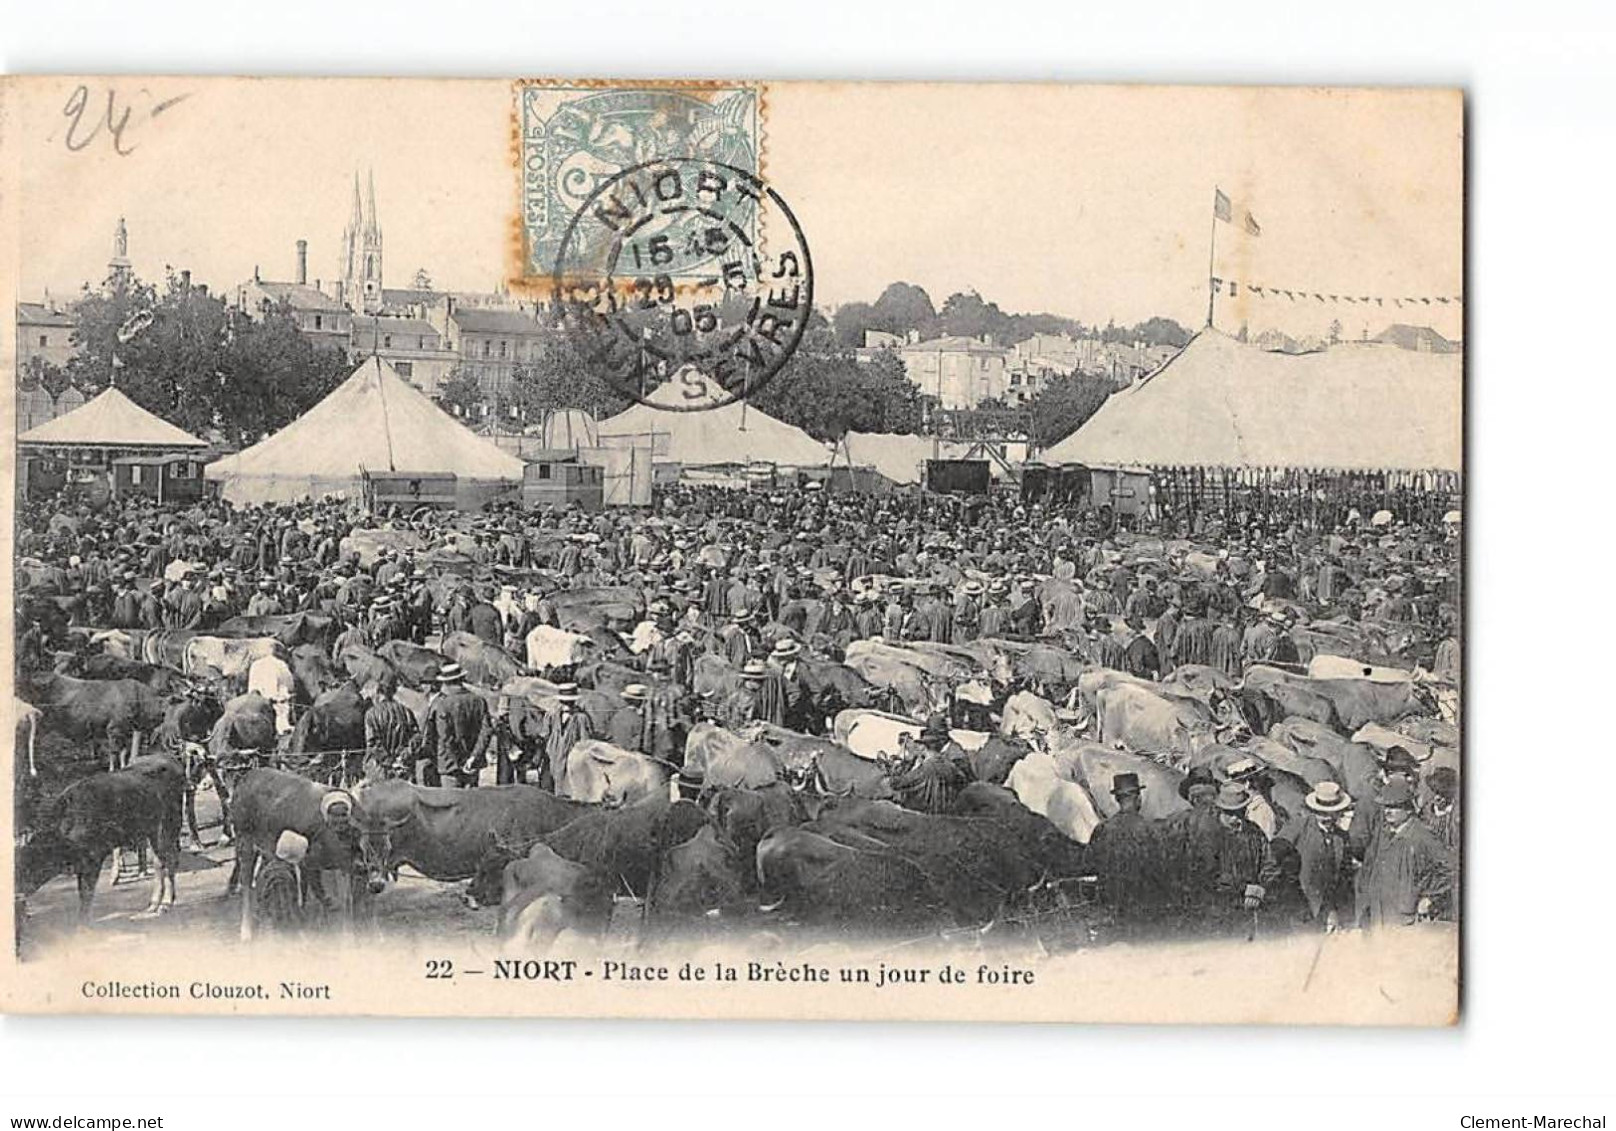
[[834, 770], [313, 673], [543, 897], [483, 662], [628, 843], [416, 666], [995, 758], [360, 664], [828, 883], [100, 712], [704, 877], [454, 834], [291, 629], [104, 666], [746, 816], [1059, 855], [269, 802], [835, 687], [244, 733], [331, 734], [78, 829]]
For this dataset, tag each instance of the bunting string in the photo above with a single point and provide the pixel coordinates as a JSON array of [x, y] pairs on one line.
[[1232, 288]]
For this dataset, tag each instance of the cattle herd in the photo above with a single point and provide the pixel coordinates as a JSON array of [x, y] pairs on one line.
[[907, 715]]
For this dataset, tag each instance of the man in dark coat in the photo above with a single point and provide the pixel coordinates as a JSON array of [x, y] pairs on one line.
[[1125, 853], [484, 622], [1407, 873], [626, 729], [456, 732], [567, 727], [1232, 901]]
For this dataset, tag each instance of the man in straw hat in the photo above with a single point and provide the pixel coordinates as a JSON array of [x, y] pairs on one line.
[[1325, 865], [627, 728], [456, 732], [1125, 852], [565, 728]]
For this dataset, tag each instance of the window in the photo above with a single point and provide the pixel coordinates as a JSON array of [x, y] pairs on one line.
[[134, 473], [319, 322], [502, 346], [387, 341], [420, 343], [44, 340], [486, 344], [182, 470], [544, 471], [404, 368]]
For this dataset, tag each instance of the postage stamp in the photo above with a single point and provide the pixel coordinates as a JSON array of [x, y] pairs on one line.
[[574, 137], [666, 266]]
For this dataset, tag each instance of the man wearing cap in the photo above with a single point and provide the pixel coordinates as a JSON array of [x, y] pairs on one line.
[[563, 729], [390, 730], [1324, 860], [1407, 873], [932, 771], [455, 733], [1190, 842], [264, 603], [628, 728], [1126, 853], [1139, 654]]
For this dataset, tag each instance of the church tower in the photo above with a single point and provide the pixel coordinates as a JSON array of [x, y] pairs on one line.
[[361, 267]]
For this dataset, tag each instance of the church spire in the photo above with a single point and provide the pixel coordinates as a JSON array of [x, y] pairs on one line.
[[357, 219], [371, 227]]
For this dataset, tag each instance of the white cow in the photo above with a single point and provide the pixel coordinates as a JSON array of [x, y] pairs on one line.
[[1037, 782], [272, 678], [549, 648]]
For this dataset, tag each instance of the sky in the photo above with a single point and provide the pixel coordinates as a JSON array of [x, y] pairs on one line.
[[1090, 202]]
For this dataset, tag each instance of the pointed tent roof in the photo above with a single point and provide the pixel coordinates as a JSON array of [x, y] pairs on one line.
[[726, 433], [111, 420], [374, 421], [1222, 403]]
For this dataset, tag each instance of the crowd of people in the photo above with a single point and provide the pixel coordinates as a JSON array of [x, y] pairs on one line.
[[778, 584]]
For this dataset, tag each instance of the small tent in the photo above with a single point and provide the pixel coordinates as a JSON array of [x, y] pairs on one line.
[[714, 431], [109, 420], [1222, 403], [374, 423]]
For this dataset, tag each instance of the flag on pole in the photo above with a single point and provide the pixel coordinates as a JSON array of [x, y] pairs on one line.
[[1252, 227], [1221, 207]]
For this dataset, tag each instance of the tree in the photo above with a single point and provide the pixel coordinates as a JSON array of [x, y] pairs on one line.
[[903, 307], [461, 394], [969, 315], [850, 321], [559, 377], [828, 393], [187, 357], [1064, 405], [422, 280], [1335, 330], [1161, 332]]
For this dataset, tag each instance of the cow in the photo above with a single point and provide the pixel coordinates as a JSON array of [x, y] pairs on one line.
[[207, 656], [79, 828], [1037, 783], [1026, 715], [27, 731], [994, 759], [453, 834], [312, 673], [1352, 764], [482, 661], [1096, 767], [906, 687], [243, 732], [827, 883], [628, 842], [1356, 702], [746, 816], [331, 734], [544, 899], [106, 713], [268, 802], [939, 662], [721, 759], [834, 686], [1144, 722], [703, 877], [1061, 856], [291, 629], [105, 666], [363, 665], [552, 649], [416, 666], [714, 677], [875, 734], [832, 769], [596, 771]]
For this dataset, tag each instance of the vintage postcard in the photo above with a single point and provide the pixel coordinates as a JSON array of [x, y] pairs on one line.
[[733, 548]]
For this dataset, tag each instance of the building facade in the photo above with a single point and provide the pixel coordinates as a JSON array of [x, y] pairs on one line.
[[958, 372], [413, 346]]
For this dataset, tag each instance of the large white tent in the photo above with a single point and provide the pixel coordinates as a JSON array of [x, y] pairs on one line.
[[717, 433], [1221, 403], [374, 422], [110, 420]]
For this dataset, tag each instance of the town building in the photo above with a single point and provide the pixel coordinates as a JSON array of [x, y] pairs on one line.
[[957, 371], [1421, 339], [323, 319], [359, 272], [488, 341], [45, 333], [413, 346]]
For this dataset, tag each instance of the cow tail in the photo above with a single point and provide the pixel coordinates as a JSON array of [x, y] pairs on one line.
[[33, 729]]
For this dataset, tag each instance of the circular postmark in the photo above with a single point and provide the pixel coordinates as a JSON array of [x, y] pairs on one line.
[[685, 263]]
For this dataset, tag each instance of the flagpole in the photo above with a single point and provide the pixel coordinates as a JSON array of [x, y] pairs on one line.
[[1211, 260]]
